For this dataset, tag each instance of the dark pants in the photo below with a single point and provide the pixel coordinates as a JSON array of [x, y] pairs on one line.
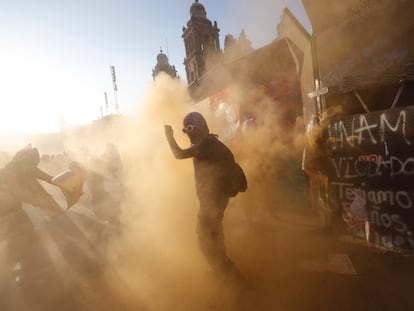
[[18, 232], [211, 235]]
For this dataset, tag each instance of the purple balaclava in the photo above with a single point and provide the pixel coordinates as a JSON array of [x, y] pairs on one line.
[[195, 126]]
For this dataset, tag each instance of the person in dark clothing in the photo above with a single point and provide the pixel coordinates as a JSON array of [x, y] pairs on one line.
[[211, 159], [18, 184], [105, 176]]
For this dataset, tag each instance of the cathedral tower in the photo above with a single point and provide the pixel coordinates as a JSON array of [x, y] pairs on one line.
[[163, 66], [201, 40]]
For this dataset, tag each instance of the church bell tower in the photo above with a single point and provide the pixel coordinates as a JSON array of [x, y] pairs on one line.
[[163, 65], [201, 40]]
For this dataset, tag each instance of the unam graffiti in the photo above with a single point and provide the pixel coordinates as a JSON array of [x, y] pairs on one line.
[[363, 132]]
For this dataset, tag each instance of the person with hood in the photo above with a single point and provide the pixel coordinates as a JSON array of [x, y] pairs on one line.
[[212, 160], [19, 183]]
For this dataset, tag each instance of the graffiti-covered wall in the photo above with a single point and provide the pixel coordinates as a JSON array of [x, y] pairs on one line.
[[372, 162]]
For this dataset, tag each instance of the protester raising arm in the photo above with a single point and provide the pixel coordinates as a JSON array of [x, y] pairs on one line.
[[176, 150]]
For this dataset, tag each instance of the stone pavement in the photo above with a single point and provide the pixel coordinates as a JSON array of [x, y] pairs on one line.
[[289, 262], [67, 268], [298, 265]]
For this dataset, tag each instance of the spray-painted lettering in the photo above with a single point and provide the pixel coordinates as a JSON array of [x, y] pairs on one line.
[[361, 131], [368, 158], [391, 221], [347, 191], [372, 166]]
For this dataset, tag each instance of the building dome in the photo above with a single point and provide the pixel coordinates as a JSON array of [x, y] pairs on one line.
[[162, 59], [163, 65], [198, 10]]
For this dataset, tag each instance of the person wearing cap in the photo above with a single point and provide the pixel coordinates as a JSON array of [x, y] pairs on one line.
[[210, 158]]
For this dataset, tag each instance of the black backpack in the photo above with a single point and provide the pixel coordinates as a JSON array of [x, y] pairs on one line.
[[237, 180]]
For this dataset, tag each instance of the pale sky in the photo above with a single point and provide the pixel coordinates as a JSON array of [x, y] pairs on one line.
[[55, 55]]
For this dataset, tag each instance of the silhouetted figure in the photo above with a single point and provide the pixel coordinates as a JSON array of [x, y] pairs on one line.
[[212, 160], [19, 184], [112, 161], [105, 183]]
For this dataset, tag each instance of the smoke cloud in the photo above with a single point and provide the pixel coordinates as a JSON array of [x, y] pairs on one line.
[[154, 261], [157, 255]]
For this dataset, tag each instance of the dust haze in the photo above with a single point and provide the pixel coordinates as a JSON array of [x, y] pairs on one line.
[[154, 261], [157, 256]]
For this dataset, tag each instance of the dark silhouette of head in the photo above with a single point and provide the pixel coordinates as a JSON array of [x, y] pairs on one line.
[[195, 126], [28, 156]]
